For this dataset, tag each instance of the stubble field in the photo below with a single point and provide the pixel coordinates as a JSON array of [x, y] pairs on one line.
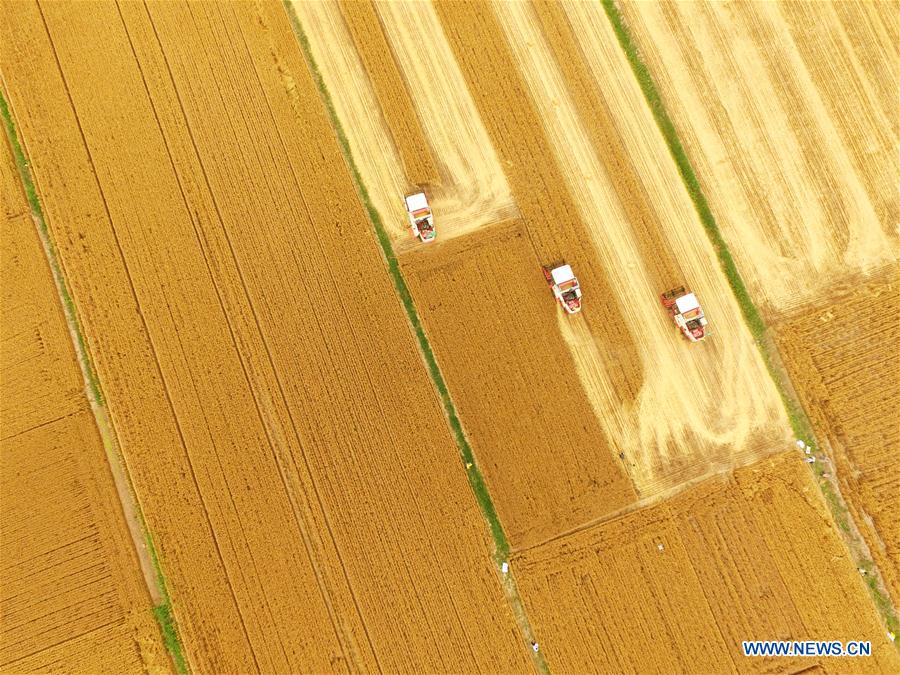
[[793, 131]]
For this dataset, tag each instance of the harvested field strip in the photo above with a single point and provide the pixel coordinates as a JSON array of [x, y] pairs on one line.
[[800, 181], [71, 587], [395, 100], [667, 437], [282, 395], [473, 189], [751, 314], [796, 414], [354, 96], [469, 189], [853, 71], [763, 534], [476, 482]]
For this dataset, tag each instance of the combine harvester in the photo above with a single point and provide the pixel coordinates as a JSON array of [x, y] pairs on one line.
[[564, 286], [685, 310], [420, 216]]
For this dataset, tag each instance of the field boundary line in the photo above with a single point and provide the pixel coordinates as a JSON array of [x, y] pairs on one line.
[[768, 349], [473, 473], [134, 517]]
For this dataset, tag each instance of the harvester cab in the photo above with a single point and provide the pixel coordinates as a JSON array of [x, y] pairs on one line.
[[685, 310], [421, 219], [564, 285]]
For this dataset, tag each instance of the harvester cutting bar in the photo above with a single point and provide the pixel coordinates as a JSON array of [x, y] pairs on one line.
[[669, 297]]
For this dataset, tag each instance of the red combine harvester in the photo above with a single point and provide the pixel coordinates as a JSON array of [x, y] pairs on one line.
[[564, 285], [420, 218], [685, 310]]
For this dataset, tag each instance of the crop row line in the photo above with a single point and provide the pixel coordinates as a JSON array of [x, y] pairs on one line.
[[796, 415]]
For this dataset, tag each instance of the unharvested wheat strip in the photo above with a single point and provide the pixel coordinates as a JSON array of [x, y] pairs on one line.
[[732, 406], [138, 401], [545, 474], [253, 246], [473, 190], [396, 102], [821, 579], [208, 389], [213, 212], [731, 556], [614, 576], [69, 565], [765, 528]]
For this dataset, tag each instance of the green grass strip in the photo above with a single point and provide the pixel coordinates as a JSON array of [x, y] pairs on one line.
[[163, 611], [796, 415], [476, 481]]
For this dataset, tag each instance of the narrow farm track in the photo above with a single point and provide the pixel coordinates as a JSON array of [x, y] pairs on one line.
[[70, 585], [296, 493]]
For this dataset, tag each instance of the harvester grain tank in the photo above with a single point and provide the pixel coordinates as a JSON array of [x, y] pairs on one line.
[[421, 219], [685, 310], [564, 285]]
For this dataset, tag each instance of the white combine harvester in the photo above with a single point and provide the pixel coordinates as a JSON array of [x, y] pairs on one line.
[[685, 310], [564, 285], [420, 218]]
